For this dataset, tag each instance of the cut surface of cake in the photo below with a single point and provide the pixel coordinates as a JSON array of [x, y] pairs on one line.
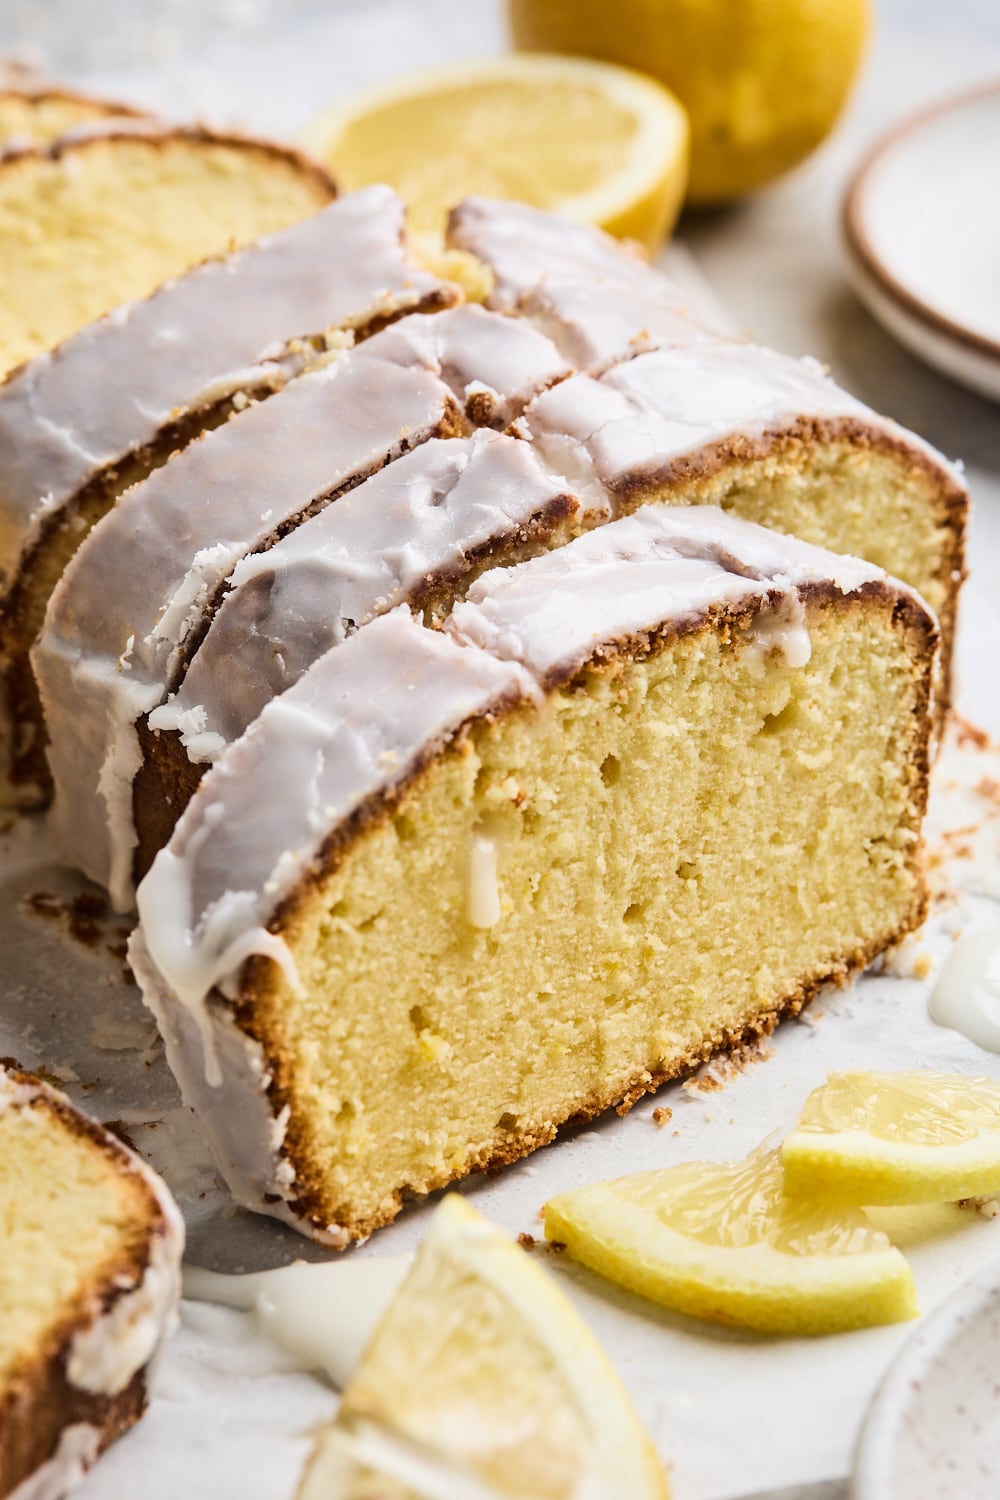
[[642, 796], [173, 540], [89, 1281], [103, 218], [773, 440], [80, 424]]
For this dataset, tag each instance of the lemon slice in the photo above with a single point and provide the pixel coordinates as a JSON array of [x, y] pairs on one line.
[[722, 1242], [886, 1138], [600, 143], [482, 1383]]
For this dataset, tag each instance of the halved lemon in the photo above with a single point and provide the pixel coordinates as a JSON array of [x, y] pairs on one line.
[[597, 142], [885, 1138], [722, 1242], [482, 1383]]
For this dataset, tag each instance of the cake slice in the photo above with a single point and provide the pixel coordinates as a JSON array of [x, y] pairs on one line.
[[106, 656], [89, 1279], [773, 440], [33, 112], [103, 218], [640, 798], [593, 295], [699, 418], [419, 531], [79, 425]]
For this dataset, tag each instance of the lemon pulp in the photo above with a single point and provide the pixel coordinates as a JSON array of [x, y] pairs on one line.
[[723, 1242], [599, 143], [896, 1138], [482, 1383]]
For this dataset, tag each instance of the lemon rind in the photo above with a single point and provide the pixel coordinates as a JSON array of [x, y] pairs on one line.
[[756, 1287], [623, 1451], [857, 1168]]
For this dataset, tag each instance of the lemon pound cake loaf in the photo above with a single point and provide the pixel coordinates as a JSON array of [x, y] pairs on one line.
[[104, 217], [90, 1250], [172, 541], [80, 424], [639, 798]]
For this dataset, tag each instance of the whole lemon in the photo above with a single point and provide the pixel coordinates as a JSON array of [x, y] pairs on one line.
[[762, 80]]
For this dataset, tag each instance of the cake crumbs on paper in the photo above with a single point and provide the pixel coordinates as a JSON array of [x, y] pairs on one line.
[[907, 960], [661, 1114], [988, 1207], [526, 1241], [968, 733], [725, 1069]]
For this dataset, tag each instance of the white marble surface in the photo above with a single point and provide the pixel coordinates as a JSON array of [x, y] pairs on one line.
[[732, 1414]]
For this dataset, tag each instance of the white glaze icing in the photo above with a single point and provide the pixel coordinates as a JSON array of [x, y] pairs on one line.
[[102, 662], [230, 324], [418, 521], [524, 246], [966, 995], [353, 725], [322, 1315], [484, 890], [659, 565], [349, 729], [502, 362], [168, 545], [596, 300], [644, 423], [76, 1450]]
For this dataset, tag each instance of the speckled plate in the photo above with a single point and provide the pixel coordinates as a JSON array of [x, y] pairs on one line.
[[933, 1430], [921, 225]]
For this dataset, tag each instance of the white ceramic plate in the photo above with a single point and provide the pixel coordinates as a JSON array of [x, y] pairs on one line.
[[933, 1430], [922, 226]]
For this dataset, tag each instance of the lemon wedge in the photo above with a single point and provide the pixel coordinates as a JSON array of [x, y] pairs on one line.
[[888, 1138], [600, 143], [482, 1383], [722, 1242]]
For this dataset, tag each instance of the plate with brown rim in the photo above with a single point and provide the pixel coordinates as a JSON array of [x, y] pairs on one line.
[[921, 222]]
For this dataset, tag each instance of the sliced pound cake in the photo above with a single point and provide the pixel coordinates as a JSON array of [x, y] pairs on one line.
[[102, 218], [37, 113], [419, 531], [90, 1249], [642, 796], [171, 542], [700, 419], [82, 423]]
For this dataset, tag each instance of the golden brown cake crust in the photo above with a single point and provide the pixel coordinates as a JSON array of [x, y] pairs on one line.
[[39, 1401], [156, 136], [252, 1008]]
